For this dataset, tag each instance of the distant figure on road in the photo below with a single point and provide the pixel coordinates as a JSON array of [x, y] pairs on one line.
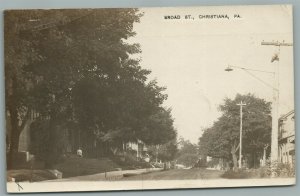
[[231, 165], [200, 164], [79, 152]]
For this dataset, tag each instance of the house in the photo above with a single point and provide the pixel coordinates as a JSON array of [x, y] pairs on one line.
[[286, 138], [140, 148]]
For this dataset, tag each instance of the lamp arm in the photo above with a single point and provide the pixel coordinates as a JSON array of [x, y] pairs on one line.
[[267, 84], [270, 72]]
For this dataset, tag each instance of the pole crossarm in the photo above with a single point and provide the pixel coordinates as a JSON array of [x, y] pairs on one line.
[[241, 104], [276, 43]]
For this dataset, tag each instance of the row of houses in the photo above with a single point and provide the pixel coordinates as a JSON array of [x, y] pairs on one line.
[[26, 139], [286, 140]]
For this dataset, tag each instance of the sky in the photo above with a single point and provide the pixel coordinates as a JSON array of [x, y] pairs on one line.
[[188, 57]]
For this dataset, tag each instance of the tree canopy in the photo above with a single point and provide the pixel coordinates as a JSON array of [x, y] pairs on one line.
[[221, 140], [188, 153], [76, 70]]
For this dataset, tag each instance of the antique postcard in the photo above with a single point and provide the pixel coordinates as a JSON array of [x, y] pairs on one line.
[[149, 98]]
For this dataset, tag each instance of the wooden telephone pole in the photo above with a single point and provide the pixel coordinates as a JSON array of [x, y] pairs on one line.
[[241, 131], [275, 102]]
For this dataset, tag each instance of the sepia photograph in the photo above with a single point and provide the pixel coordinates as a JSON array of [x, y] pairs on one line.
[[109, 99]]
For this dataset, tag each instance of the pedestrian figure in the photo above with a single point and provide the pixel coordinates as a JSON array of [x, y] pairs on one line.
[[79, 152]]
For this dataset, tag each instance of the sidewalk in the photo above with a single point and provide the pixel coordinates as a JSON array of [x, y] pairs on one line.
[[112, 175]]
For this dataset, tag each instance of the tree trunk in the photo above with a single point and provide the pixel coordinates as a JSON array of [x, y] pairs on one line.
[[14, 141], [234, 149], [15, 129], [254, 159], [265, 155], [235, 162], [50, 151]]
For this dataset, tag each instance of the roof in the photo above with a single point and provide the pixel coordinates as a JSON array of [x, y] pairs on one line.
[[283, 117]]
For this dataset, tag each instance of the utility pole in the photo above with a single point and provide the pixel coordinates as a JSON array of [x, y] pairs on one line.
[[275, 102], [241, 131]]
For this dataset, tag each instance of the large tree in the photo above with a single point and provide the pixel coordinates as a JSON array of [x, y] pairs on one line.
[[79, 74], [222, 139], [19, 51]]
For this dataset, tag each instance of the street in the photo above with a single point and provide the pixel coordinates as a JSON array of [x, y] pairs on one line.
[[148, 174], [178, 174]]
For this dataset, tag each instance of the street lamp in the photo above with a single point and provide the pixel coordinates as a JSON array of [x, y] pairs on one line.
[[247, 70], [228, 68]]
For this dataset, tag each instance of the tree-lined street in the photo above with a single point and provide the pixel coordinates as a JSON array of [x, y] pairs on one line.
[[91, 93]]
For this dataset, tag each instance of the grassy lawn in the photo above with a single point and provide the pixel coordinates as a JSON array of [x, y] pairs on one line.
[[76, 166], [70, 167], [29, 175]]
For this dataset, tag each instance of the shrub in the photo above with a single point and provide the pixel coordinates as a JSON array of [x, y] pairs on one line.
[[129, 161], [277, 169], [282, 170], [238, 174]]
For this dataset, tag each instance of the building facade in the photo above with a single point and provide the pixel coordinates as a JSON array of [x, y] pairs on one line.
[[286, 138]]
